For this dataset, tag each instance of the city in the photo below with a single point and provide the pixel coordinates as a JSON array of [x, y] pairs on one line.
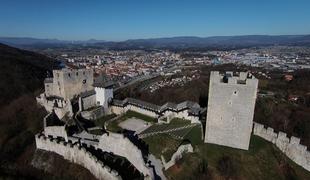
[[155, 90]]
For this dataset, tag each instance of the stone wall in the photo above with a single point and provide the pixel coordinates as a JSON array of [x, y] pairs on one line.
[[88, 102], [182, 115], [122, 146], [289, 146], [77, 154], [117, 110], [120, 110], [177, 155], [103, 96], [93, 114], [56, 131], [60, 106], [167, 114]]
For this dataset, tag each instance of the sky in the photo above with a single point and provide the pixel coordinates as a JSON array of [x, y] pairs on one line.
[[117, 20]]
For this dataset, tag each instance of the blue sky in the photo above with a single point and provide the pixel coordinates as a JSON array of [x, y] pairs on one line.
[[130, 19]]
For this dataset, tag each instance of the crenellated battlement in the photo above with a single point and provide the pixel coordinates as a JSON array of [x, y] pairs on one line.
[[231, 78], [289, 146], [122, 146], [77, 154]]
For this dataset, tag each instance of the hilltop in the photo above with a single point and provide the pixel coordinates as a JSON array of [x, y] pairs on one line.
[[21, 74], [174, 43]]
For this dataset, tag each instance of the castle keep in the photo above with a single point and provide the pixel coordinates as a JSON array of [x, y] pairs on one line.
[[68, 83], [231, 109]]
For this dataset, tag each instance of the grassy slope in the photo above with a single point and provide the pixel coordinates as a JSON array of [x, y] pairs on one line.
[[113, 126], [164, 144], [262, 161], [21, 74]]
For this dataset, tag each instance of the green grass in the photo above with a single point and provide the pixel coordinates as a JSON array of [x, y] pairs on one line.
[[180, 122], [100, 122], [195, 135], [96, 131], [166, 145], [262, 161], [162, 145], [113, 126], [137, 115], [174, 123]]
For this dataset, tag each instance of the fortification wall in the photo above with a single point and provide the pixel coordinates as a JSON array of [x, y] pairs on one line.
[[77, 154], [169, 114], [289, 146], [88, 102], [56, 131], [93, 114], [177, 155], [122, 146], [61, 107], [48, 88], [182, 115], [120, 110], [117, 110], [141, 110]]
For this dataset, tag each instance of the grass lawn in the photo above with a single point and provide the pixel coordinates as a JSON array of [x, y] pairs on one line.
[[174, 123], [146, 118], [163, 144], [100, 122], [262, 161], [113, 126], [178, 121], [96, 131], [195, 135]]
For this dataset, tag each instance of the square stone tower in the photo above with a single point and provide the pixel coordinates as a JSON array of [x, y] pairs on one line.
[[67, 83], [231, 109]]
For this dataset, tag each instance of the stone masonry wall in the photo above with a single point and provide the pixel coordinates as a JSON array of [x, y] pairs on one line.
[[178, 154], [289, 146], [120, 110], [169, 114], [122, 146], [77, 154], [68, 83], [56, 131]]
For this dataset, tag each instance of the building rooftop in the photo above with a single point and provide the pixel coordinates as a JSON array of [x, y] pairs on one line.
[[87, 93], [107, 84], [194, 108]]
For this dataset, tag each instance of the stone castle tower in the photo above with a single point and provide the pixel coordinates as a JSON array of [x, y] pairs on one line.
[[67, 83], [231, 109]]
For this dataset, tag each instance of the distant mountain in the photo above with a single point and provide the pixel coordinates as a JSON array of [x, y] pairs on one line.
[[185, 42], [21, 72], [26, 41], [220, 41]]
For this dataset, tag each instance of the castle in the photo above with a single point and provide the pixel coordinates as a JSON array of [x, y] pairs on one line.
[[74, 100], [231, 106]]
